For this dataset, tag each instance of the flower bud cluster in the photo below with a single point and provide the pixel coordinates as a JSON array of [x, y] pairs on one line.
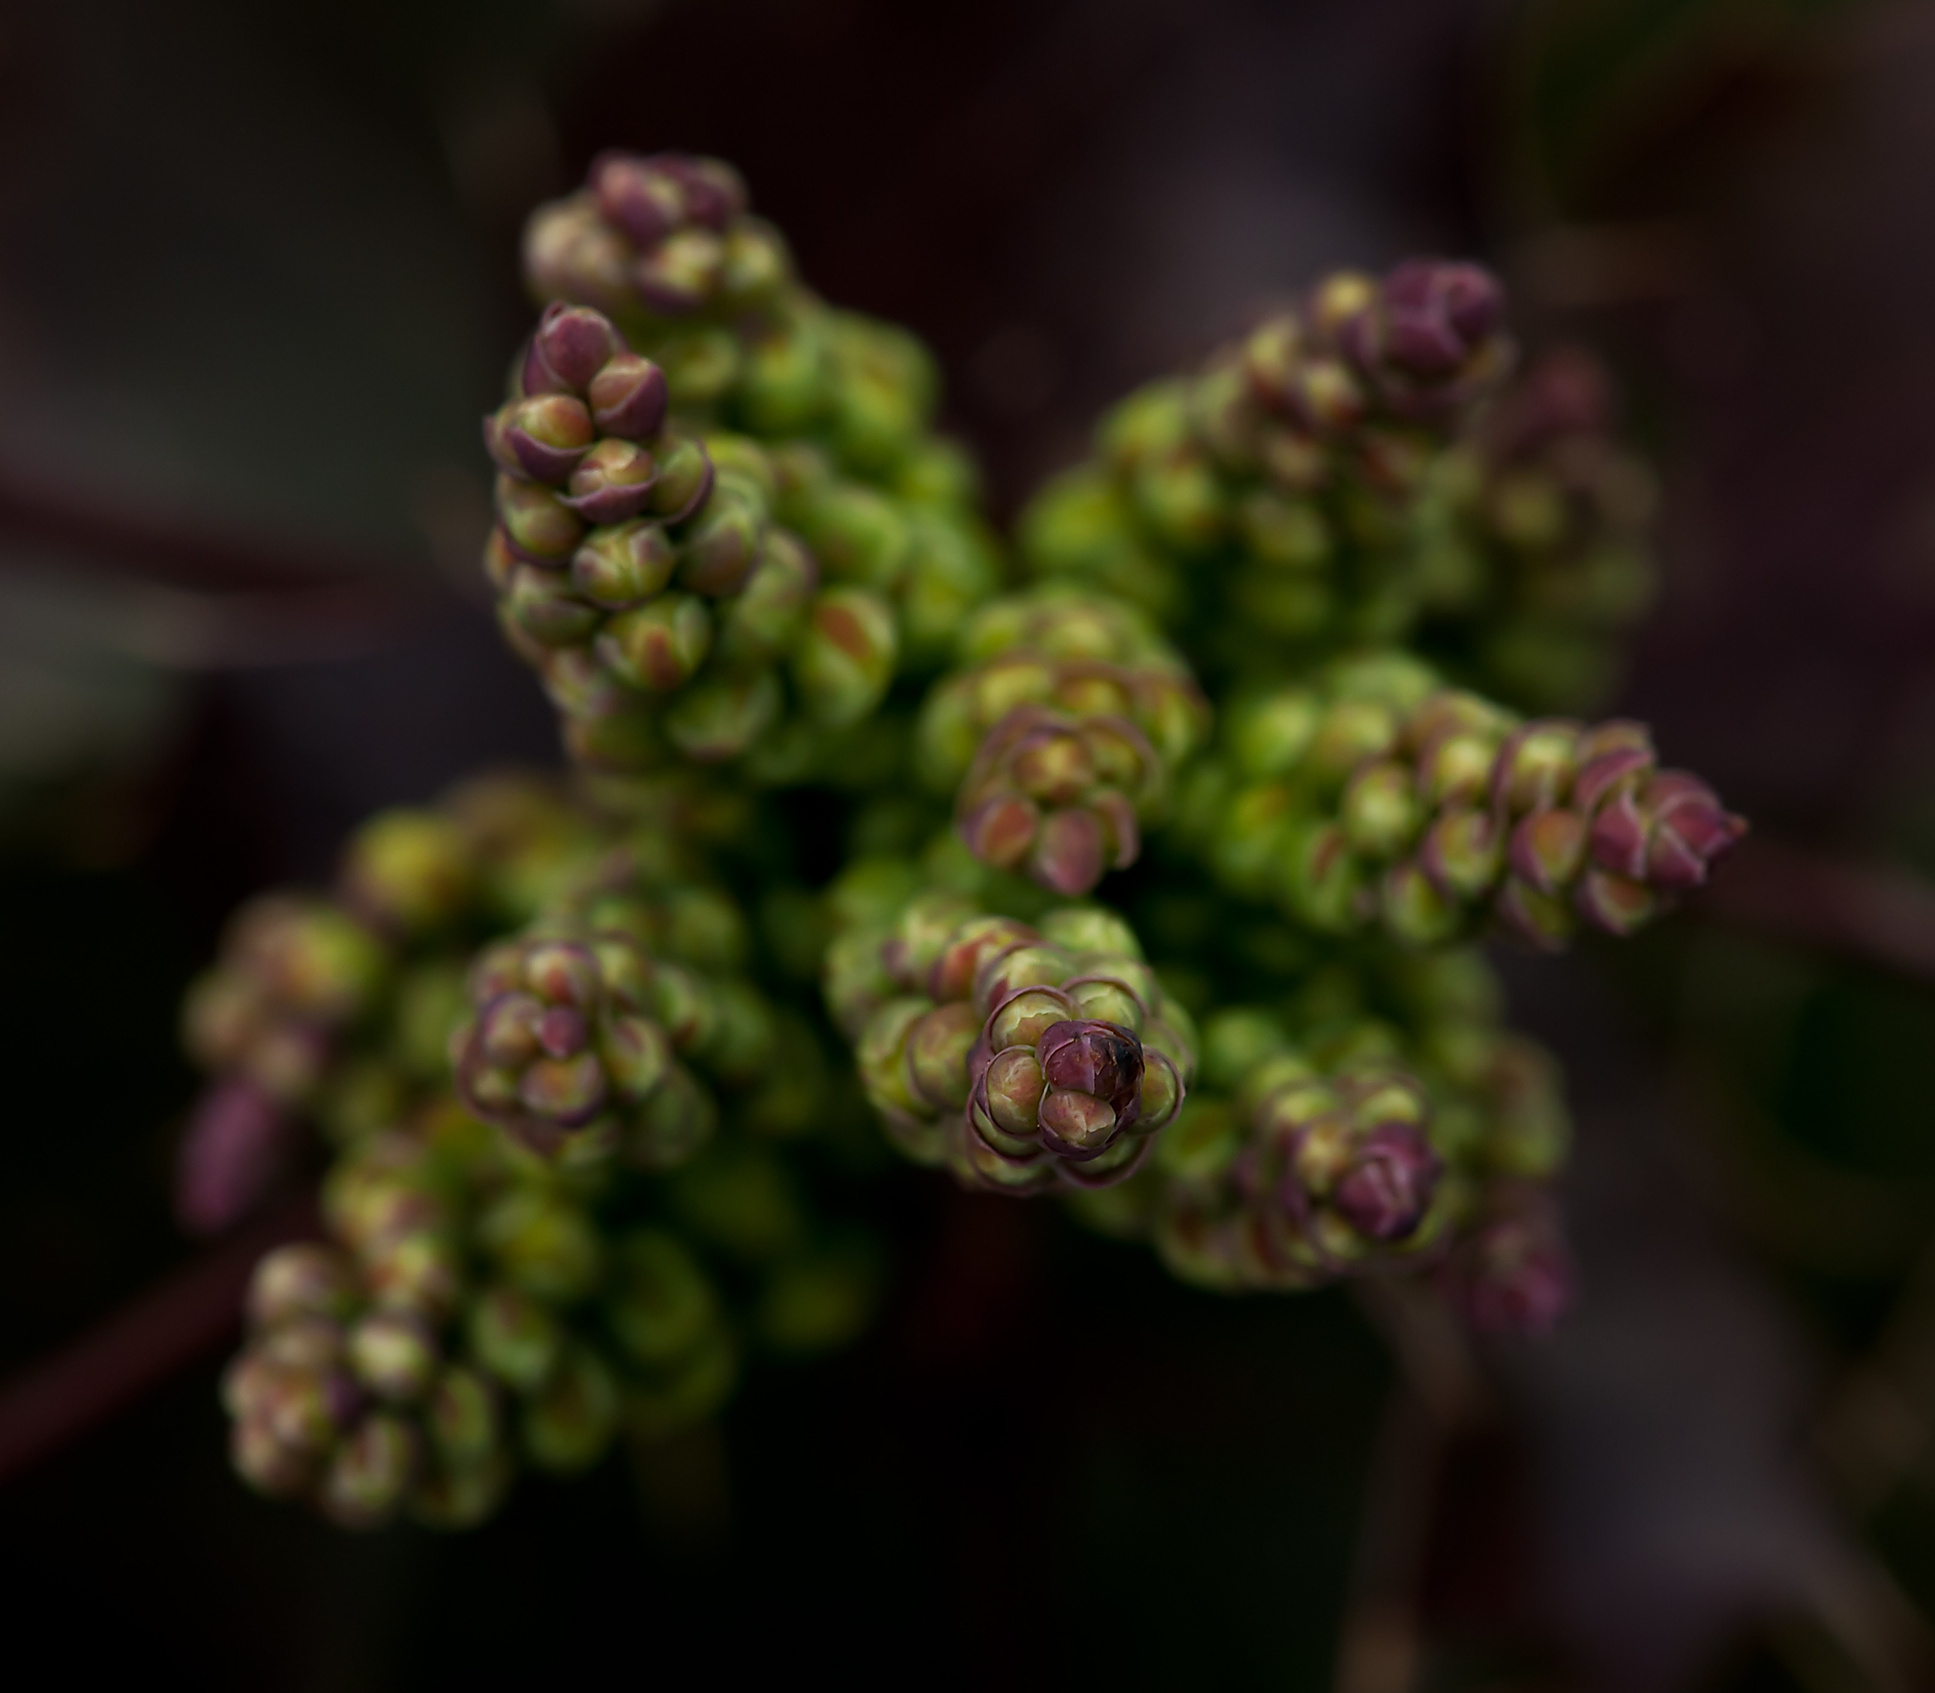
[[1336, 1141], [1025, 1057], [1275, 498], [347, 1397], [665, 246], [641, 571], [664, 236], [1060, 734], [476, 1312], [1303, 1176], [1535, 532], [576, 1033], [1377, 798]]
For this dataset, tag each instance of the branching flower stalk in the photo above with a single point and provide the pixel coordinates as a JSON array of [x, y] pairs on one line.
[[588, 1053]]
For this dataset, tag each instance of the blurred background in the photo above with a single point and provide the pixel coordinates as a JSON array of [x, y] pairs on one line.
[[258, 281]]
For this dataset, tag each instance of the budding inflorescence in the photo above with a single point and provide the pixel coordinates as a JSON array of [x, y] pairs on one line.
[[565, 1039]]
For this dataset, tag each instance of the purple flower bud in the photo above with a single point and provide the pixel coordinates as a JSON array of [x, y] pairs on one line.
[[541, 438], [638, 196], [715, 193], [1070, 852], [1096, 1058], [1387, 1187], [1000, 831], [508, 1028], [237, 1142], [1436, 314], [572, 344], [613, 482], [562, 1031], [957, 965], [1690, 829], [628, 398]]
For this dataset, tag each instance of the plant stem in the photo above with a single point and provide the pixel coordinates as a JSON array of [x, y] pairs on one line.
[[129, 1353]]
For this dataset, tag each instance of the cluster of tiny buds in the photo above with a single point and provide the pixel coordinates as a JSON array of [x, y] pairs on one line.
[[351, 1405], [664, 234]]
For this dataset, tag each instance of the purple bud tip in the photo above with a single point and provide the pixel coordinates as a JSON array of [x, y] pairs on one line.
[[628, 398], [235, 1146], [1069, 854], [572, 344], [715, 193], [638, 196], [1387, 1189], [1437, 312], [1099, 1059], [1690, 829], [562, 1031]]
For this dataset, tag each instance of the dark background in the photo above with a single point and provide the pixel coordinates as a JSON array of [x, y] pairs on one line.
[[257, 282]]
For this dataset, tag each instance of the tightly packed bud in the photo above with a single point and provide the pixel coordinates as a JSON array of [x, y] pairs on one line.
[[1425, 814], [658, 236], [1058, 796], [1061, 735], [1428, 340], [1305, 1175], [578, 1031], [1025, 1058]]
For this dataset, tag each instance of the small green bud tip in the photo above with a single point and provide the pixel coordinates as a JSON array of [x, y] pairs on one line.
[[394, 1355]]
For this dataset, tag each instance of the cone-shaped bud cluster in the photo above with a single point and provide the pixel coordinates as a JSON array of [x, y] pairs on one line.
[[295, 974], [1425, 814], [353, 1406], [1425, 341], [1025, 1057], [1305, 1174], [625, 559], [1288, 494], [663, 235], [578, 1032], [1062, 733]]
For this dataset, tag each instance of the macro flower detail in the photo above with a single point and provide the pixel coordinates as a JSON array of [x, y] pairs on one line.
[[1380, 798], [1283, 657], [572, 1033]]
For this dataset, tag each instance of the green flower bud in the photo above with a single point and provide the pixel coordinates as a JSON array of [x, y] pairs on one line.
[[365, 1480], [542, 1243], [513, 1337], [661, 1307], [570, 1423], [659, 645], [846, 655]]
